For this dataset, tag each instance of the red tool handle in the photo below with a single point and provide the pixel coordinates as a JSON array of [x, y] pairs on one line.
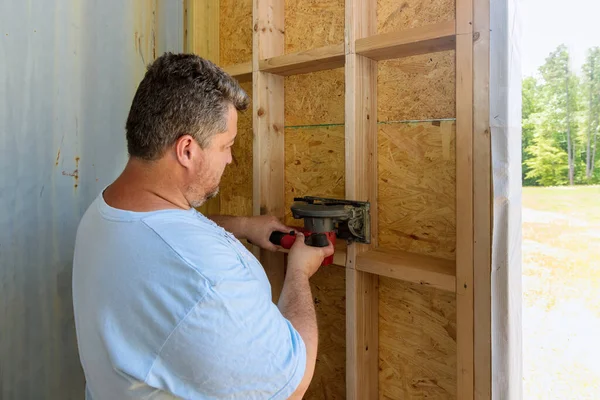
[[286, 240]]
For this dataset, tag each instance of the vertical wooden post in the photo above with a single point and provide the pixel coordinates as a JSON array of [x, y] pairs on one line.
[[464, 199], [268, 127], [202, 28], [201, 37], [362, 317], [482, 202]]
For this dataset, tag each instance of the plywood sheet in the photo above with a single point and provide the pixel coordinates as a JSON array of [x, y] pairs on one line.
[[417, 341], [416, 88], [416, 187], [235, 33], [316, 98], [329, 293], [393, 15], [313, 23], [314, 164], [236, 183]]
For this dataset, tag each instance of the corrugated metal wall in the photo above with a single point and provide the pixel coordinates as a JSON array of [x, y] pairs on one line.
[[68, 72]]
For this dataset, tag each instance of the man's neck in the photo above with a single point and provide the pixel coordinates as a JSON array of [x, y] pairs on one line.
[[143, 186]]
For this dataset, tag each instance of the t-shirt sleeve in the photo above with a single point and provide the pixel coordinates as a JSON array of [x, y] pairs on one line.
[[234, 343]]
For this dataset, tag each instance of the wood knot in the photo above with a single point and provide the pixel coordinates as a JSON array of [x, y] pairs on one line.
[[476, 36], [276, 128], [260, 112], [256, 27]]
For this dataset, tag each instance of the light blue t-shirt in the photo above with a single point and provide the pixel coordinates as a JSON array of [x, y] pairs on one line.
[[170, 305]]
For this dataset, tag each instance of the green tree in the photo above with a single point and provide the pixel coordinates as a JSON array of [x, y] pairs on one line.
[[556, 123], [549, 166], [591, 88], [530, 109]]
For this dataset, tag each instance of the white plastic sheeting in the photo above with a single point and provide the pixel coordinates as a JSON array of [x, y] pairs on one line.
[[505, 121], [68, 72]]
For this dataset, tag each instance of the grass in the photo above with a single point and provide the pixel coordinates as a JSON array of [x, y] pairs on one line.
[[561, 292]]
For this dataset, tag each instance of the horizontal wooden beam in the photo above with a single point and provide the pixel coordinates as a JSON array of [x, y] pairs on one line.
[[424, 270], [304, 62], [409, 42], [410, 267], [242, 72]]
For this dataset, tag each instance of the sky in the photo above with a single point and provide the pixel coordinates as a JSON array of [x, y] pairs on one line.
[[545, 24]]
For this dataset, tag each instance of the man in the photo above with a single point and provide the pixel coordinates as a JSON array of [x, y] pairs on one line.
[[168, 303]]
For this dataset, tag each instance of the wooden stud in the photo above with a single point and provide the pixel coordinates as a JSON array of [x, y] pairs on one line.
[[482, 200], [362, 335], [424, 270], [268, 124], [409, 42], [464, 200], [303, 62], [202, 28], [362, 316]]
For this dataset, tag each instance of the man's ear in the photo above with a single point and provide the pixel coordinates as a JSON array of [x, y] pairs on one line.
[[187, 151]]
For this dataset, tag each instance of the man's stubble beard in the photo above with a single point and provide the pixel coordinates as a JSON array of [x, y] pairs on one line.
[[209, 195], [212, 194]]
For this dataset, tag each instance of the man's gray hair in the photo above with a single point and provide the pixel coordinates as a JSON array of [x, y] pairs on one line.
[[180, 94]]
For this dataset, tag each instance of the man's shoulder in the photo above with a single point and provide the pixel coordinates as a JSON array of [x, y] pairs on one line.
[[198, 241], [186, 229]]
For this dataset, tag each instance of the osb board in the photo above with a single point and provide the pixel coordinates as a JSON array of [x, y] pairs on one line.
[[416, 187], [417, 341], [416, 88], [235, 31], [314, 164], [316, 98], [329, 293], [393, 15], [313, 23], [236, 183]]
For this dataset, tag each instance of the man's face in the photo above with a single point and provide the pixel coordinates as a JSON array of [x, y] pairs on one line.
[[215, 158]]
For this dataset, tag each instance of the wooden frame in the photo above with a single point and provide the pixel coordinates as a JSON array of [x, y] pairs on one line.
[[464, 200], [267, 88], [468, 277], [362, 304]]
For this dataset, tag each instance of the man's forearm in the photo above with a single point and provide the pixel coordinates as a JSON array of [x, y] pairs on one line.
[[235, 225], [296, 304]]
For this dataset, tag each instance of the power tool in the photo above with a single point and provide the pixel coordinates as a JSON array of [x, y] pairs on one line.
[[327, 219]]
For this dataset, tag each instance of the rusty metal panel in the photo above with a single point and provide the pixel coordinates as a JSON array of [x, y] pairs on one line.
[[68, 72]]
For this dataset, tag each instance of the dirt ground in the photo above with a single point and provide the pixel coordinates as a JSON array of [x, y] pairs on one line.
[[561, 293]]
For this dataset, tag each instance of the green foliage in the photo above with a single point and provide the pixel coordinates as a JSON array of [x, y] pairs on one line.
[[529, 110], [561, 122], [591, 90]]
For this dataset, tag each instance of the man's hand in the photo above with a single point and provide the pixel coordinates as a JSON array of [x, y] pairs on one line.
[[254, 229], [258, 229], [307, 259]]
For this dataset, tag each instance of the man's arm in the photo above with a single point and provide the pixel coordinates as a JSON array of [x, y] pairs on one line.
[[296, 302], [236, 225], [254, 229]]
